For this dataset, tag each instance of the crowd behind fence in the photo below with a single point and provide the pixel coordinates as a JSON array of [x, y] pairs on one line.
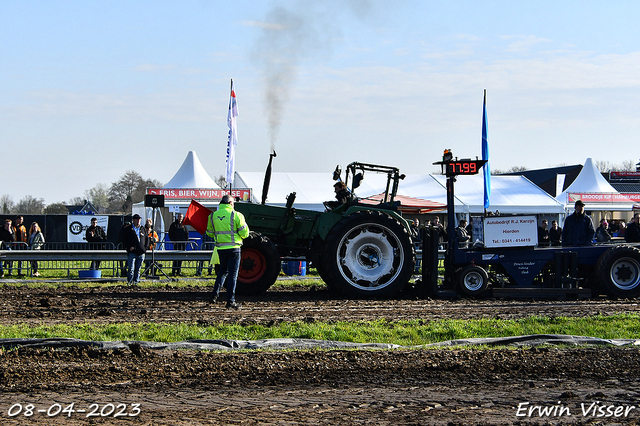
[[61, 260]]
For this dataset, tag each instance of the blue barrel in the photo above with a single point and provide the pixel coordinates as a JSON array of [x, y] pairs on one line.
[[294, 267]]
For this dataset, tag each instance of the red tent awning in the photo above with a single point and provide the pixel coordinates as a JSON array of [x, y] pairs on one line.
[[407, 204]]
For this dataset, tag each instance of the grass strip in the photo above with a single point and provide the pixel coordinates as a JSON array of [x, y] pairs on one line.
[[406, 332]]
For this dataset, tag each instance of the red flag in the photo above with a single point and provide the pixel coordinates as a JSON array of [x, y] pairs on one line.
[[197, 216]]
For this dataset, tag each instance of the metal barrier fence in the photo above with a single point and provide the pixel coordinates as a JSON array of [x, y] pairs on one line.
[[112, 262]]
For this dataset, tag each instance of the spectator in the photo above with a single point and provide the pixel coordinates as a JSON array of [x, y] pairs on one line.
[[462, 234], [543, 234], [7, 238], [469, 229], [555, 234], [622, 228], [415, 230], [632, 234], [578, 228], [20, 232], [614, 227], [179, 236], [96, 238], [228, 228], [440, 232], [136, 242], [36, 241], [603, 234]]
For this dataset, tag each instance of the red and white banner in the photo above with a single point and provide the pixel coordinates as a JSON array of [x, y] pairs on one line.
[[199, 193], [635, 197], [617, 175], [598, 198]]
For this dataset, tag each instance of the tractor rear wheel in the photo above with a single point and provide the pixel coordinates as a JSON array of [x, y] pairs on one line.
[[368, 254], [259, 265]]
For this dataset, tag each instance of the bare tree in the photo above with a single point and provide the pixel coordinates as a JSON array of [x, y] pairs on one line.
[[30, 205], [629, 166], [221, 181], [76, 201], [56, 208], [6, 204], [514, 169], [98, 195], [141, 189], [625, 166], [130, 188], [603, 166]]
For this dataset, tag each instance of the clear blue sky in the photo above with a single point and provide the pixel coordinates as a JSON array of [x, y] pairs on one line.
[[91, 89]]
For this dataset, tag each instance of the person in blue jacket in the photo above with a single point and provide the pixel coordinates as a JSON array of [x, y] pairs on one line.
[[578, 229]]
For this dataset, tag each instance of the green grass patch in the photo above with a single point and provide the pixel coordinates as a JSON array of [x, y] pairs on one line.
[[413, 332]]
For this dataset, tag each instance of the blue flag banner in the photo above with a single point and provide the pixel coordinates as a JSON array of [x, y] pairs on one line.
[[485, 153]]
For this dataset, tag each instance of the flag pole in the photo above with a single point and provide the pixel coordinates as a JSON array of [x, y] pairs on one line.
[[232, 140], [231, 183]]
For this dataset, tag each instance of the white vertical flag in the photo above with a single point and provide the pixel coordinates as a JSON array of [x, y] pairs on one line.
[[233, 135]]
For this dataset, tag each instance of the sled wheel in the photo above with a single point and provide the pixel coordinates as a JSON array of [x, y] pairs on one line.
[[368, 254], [473, 280], [618, 271], [259, 265]]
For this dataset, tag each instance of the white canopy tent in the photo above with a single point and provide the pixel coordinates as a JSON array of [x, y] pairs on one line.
[[190, 175], [509, 195], [311, 188], [594, 190]]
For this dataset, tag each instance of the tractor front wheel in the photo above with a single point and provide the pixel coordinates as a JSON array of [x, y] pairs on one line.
[[259, 265]]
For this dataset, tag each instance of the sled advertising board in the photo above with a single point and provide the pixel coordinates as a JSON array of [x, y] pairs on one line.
[[510, 231]]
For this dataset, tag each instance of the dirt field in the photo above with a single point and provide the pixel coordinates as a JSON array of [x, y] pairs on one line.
[[449, 387]]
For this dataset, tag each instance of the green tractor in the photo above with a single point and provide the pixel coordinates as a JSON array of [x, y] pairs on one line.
[[358, 248]]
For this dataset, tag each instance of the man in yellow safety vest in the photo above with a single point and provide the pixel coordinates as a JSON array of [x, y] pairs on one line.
[[228, 228]]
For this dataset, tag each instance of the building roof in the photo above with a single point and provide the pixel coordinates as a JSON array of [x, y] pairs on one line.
[[626, 187], [546, 178]]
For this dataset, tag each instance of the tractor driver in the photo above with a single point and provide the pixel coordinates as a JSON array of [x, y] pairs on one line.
[[343, 196]]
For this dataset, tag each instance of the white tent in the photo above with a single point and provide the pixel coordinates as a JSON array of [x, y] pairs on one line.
[[509, 194], [594, 190], [311, 188], [192, 175]]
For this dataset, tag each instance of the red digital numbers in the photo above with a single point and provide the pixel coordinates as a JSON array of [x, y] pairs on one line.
[[463, 168]]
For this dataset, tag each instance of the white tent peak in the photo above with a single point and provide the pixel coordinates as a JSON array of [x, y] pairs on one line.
[[590, 180], [192, 175]]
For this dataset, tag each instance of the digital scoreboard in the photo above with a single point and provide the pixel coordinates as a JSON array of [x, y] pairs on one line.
[[457, 167], [464, 167]]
